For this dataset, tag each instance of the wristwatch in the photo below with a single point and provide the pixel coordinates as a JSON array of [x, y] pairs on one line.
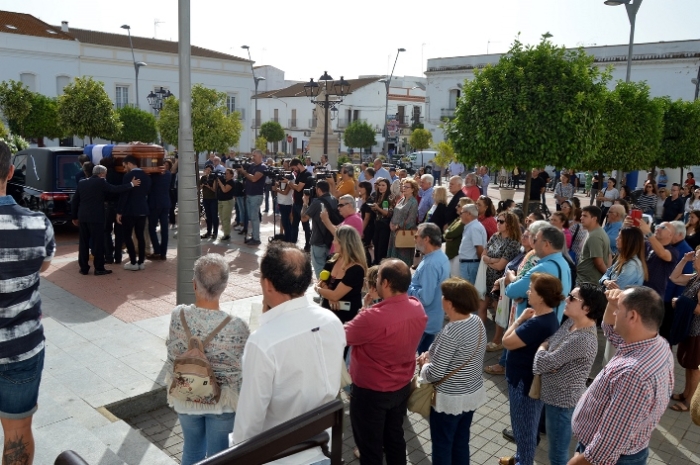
[[648, 235]]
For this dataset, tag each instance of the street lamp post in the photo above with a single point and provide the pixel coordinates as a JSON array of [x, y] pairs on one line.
[[632, 6], [156, 99], [312, 89], [137, 64], [256, 81], [387, 83]]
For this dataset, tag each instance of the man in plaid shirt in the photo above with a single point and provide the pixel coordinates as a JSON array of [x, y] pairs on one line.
[[614, 419]]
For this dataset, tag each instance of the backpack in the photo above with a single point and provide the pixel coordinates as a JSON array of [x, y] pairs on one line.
[[335, 217], [193, 377]]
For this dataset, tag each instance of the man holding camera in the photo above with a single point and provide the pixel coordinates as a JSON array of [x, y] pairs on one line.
[[346, 185], [206, 184], [323, 201], [304, 180], [254, 187]]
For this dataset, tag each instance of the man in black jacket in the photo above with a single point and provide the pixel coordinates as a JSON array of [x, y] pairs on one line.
[[132, 212], [159, 207], [88, 209]]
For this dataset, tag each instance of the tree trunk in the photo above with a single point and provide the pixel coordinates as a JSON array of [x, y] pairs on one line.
[[526, 195]]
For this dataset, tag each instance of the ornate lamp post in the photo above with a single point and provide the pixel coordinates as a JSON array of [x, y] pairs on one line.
[[156, 99], [387, 83], [137, 64], [312, 90]]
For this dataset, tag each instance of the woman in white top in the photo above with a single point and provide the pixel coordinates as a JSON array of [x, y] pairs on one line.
[[663, 193], [607, 196], [693, 202], [460, 345], [285, 200]]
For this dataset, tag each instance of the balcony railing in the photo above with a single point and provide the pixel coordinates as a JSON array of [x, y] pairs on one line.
[[256, 123], [313, 122], [447, 113], [276, 119], [292, 122]]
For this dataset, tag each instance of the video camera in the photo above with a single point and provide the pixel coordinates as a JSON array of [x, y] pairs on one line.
[[244, 163]]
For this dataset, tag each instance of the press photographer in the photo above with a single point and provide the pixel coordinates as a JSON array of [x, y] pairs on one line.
[[304, 180], [224, 198], [346, 185], [254, 187], [206, 184]]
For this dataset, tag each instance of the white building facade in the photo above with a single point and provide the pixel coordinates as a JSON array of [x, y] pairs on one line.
[[46, 58]]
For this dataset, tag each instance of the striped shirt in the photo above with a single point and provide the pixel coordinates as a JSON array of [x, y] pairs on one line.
[[458, 342], [623, 405], [26, 241]]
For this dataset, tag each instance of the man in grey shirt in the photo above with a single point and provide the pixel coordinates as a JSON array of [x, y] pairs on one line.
[[320, 246]]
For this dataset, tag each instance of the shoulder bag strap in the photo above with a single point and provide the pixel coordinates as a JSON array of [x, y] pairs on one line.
[[184, 324], [449, 375], [558, 268], [216, 330]]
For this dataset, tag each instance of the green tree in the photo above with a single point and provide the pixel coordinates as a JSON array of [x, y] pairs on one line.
[[42, 120], [272, 131], [85, 109], [680, 143], [15, 102], [632, 129], [420, 139], [137, 125], [445, 153], [213, 129], [539, 105], [359, 134], [261, 143]]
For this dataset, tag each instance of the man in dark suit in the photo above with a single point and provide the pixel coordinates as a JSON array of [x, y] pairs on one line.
[[88, 209], [132, 212], [159, 207]]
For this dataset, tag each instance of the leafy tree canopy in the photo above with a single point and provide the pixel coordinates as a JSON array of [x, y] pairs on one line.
[[85, 109], [261, 143], [420, 139], [680, 143], [42, 120], [213, 129], [539, 105], [359, 134], [445, 154], [632, 127], [137, 125], [15, 101], [272, 131]]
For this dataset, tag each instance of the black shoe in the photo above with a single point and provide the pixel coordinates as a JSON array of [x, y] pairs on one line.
[[307, 248], [84, 272], [102, 272], [242, 232], [253, 242], [205, 236], [226, 237], [247, 239], [117, 261], [508, 434]]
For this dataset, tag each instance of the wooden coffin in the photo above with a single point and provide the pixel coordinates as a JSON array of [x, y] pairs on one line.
[[149, 157]]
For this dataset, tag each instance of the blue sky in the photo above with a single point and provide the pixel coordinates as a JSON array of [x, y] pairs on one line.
[[362, 36]]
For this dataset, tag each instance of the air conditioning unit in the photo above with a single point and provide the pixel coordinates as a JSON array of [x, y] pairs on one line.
[[307, 133]]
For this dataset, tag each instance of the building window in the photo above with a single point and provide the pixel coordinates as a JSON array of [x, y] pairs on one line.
[[231, 104], [454, 96], [121, 96], [61, 83], [29, 80]]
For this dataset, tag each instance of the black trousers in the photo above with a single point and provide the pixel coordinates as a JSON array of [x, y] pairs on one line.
[[137, 225], [91, 232], [382, 233], [377, 424], [113, 249]]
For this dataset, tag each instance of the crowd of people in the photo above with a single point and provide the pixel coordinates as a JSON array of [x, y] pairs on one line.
[[397, 279]]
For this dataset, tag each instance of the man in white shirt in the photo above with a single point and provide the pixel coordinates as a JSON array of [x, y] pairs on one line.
[[379, 170], [291, 364], [457, 169], [473, 243]]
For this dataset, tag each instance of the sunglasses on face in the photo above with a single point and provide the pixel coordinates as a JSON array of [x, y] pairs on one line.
[[571, 298], [501, 221]]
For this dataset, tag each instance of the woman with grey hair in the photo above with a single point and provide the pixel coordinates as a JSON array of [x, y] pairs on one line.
[[206, 423]]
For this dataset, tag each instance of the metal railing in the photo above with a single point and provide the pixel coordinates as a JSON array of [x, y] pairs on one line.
[[296, 435], [313, 122], [292, 123], [256, 123], [447, 113]]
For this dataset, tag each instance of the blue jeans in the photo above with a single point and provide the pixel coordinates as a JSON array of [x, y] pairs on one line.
[[242, 212], [640, 458], [319, 257], [285, 212], [154, 217], [524, 417], [205, 435], [502, 360], [468, 271], [425, 342], [558, 421], [19, 387], [450, 437], [212, 214], [252, 203]]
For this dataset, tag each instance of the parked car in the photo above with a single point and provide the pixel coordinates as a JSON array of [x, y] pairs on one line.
[[44, 180]]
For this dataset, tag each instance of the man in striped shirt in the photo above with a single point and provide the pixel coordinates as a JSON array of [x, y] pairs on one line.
[[26, 248], [614, 419]]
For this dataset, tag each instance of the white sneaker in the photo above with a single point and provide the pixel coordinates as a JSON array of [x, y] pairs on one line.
[[131, 266], [142, 266]]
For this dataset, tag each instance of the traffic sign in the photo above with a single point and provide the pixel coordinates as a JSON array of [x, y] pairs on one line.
[[289, 139]]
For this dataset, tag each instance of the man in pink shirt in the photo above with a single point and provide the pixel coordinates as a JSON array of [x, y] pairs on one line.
[[384, 339], [347, 209], [470, 188]]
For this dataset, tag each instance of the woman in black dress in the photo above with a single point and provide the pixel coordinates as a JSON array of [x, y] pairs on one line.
[[383, 208]]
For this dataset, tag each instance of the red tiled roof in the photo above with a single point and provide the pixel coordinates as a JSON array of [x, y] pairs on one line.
[[28, 25]]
